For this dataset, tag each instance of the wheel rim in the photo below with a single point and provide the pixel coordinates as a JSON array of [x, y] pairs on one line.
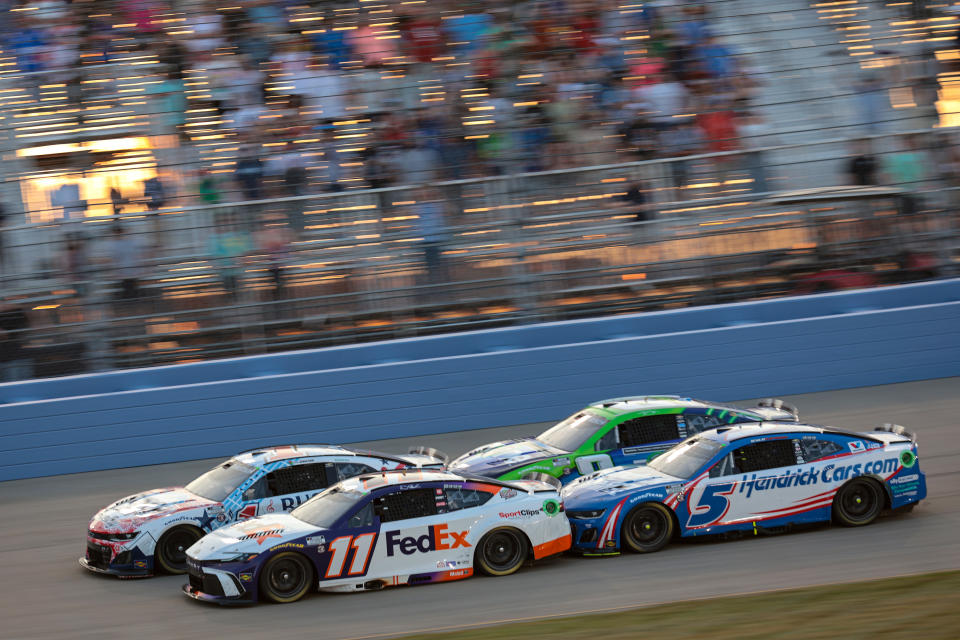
[[175, 547], [502, 550], [647, 527], [287, 577], [859, 501]]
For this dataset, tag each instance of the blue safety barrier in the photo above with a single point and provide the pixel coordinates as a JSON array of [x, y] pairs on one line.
[[422, 386]]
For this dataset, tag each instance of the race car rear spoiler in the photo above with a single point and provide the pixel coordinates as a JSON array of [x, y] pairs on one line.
[[777, 403], [899, 430]]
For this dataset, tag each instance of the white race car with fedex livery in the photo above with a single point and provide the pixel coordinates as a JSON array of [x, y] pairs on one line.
[[150, 531], [752, 477], [381, 530]]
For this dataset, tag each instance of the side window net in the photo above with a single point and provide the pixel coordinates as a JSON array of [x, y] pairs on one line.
[[648, 429], [296, 479], [403, 505], [764, 455]]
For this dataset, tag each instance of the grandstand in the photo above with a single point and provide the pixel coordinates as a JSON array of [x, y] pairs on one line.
[[265, 162]]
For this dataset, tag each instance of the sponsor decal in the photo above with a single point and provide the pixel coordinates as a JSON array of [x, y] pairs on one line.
[[561, 461], [646, 496], [217, 508], [288, 504], [913, 477], [567, 471], [261, 534], [269, 507], [246, 577], [907, 485], [437, 538], [140, 564], [316, 540], [522, 513], [221, 517], [287, 545], [446, 564], [551, 507], [506, 494], [817, 475], [856, 446]]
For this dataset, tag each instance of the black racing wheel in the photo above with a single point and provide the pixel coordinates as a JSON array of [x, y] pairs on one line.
[[501, 552], [171, 552], [858, 503], [286, 577], [648, 528]]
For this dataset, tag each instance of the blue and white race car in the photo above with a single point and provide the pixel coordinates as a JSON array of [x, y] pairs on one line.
[[381, 530], [150, 531], [751, 477]]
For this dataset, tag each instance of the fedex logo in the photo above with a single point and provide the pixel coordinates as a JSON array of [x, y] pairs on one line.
[[437, 538]]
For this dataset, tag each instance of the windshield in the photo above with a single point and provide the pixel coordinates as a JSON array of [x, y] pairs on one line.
[[572, 432], [220, 481], [685, 459], [325, 509]]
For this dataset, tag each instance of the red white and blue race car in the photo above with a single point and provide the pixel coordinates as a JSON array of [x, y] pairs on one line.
[[150, 531], [751, 477], [381, 530]]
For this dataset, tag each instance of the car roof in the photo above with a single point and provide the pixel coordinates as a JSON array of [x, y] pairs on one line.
[[628, 404], [369, 481], [734, 432], [295, 451]]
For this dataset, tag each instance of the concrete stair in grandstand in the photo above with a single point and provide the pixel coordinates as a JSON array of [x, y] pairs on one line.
[[800, 52]]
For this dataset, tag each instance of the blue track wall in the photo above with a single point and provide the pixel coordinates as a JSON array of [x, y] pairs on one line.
[[417, 387]]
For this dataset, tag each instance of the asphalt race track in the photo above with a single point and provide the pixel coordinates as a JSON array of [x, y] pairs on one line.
[[46, 594]]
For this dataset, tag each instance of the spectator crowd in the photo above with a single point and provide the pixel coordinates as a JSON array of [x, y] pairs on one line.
[[323, 96]]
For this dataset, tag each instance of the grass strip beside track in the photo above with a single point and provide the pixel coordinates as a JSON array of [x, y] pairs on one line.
[[918, 606]]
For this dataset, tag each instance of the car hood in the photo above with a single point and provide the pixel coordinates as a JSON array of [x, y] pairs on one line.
[[130, 513], [251, 536], [497, 458], [609, 484]]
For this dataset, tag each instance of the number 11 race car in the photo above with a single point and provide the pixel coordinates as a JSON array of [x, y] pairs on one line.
[[745, 478], [381, 530], [150, 531]]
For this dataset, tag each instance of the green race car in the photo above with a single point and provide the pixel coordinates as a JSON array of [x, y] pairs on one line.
[[610, 433]]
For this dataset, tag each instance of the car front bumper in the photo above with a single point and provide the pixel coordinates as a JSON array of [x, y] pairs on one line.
[[135, 572], [197, 594]]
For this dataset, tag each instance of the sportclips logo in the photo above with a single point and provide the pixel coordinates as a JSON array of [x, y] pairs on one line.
[[520, 514], [822, 475], [437, 538]]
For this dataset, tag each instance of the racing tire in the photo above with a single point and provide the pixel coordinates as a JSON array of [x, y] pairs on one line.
[[501, 552], [858, 503], [286, 577], [648, 528], [170, 555]]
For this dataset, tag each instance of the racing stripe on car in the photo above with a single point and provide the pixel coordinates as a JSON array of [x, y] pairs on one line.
[[807, 503], [610, 525]]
